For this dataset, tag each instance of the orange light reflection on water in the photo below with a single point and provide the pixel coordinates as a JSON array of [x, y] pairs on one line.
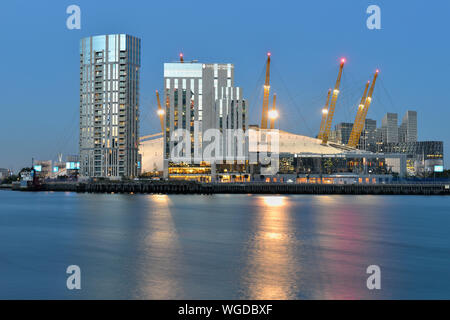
[[271, 261], [161, 253]]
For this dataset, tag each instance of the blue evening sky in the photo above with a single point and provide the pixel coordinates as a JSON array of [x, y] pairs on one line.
[[40, 63]]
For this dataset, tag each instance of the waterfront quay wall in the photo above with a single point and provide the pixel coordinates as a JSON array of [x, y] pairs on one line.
[[169, 187]]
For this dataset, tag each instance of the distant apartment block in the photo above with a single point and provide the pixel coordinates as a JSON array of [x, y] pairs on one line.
[[408, 128], [389, 128], [422, 156], [343, 131], [368, 137]]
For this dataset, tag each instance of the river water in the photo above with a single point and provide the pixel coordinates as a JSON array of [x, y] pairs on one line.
[[223, 246]]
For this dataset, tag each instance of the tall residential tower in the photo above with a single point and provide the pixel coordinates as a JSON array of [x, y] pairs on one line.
[[109, 105]]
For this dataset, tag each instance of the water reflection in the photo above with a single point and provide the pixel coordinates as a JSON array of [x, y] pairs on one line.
[[271, 262], [271, 201], [160, 256], [223, 246], [345, 249]]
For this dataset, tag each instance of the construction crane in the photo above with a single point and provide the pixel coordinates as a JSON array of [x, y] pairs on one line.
[[160, 111], [334, 97], [265, 110], [324, 116], [359, 114], [357, 127], [273, 114], [181, 58]]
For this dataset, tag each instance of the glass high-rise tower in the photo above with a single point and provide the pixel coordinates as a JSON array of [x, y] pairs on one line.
[[109, 105]]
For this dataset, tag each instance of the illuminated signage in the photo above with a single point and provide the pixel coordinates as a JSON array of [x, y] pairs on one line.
[[55, 169], [438, 168], [72, 165], [37, 168]]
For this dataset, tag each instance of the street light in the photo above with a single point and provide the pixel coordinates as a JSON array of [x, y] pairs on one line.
[[273, 114]]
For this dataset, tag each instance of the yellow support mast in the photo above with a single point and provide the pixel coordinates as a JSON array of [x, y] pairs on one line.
[[324, 116], [333, 104], [265, 110], [160, 111], [353, 141], [359, 115], [273, 114], [167, 108]]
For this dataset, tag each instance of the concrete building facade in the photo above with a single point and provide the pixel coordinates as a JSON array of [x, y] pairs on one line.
[[198, 97]]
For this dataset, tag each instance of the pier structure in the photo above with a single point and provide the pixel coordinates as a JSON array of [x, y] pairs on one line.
[[193, 187]]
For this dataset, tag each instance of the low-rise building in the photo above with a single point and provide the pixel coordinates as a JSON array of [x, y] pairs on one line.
[[4, 173], [422, 156], [151, 149], [43, 168]]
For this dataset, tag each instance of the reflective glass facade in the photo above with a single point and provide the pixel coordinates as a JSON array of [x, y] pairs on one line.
[[109, 105]]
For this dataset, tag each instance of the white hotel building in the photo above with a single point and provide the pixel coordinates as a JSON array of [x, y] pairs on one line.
[[199, 97]]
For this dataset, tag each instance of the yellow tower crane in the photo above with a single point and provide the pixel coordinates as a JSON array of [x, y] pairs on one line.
[[265, 110], [359, 114], [324, 116], [273, 114], [334, 97], [160, 111], [357, 127]]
